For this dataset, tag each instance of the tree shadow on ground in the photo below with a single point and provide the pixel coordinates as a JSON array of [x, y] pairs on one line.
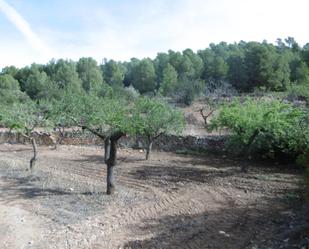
[[10, 150], [176, 174], [238, 227], [100, 159], [59, 205], [16, 188]]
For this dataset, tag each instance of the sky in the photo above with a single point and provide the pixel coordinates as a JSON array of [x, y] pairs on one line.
[[37, 31]]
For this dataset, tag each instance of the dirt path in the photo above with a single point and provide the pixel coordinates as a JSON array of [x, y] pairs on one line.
[[18, 227], [171, 201]]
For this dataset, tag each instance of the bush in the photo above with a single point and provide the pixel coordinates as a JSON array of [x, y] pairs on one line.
[[187, 90], [220, 89], [12, 96], [299, 92], [267, 128]]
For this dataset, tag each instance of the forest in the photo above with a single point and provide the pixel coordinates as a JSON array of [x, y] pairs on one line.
[[235, 68]]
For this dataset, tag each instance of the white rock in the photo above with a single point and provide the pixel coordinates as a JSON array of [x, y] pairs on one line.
[[224, 233]]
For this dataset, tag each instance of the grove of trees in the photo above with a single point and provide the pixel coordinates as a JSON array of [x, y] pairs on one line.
[[115, 99], [244, 66], [109, 117]]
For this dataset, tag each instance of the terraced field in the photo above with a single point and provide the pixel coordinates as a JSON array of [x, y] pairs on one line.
[[170, 201]]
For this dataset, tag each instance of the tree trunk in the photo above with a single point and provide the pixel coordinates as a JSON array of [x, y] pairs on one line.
[[110, 159], [60, 138], [107, 149], [34, 158], [149, 147], [110, 180], [248, 148], [245, 165]]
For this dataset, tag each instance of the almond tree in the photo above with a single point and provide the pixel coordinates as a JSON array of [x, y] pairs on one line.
[[24, 118], [107, 118], [112, 118], [154, 118]]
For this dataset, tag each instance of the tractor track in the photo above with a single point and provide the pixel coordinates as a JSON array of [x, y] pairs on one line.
[[166, 202]]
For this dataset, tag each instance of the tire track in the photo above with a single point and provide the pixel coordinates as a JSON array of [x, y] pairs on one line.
[[180, 203]]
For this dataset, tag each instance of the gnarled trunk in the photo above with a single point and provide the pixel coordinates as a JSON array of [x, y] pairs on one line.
[[150, 140], [110, 157], [60, 137], [34, 158], [149, 147]]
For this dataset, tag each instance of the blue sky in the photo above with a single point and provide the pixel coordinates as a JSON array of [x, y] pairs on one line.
[[38, 30]]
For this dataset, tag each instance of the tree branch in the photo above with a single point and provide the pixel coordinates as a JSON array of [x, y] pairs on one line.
[[85, 127], [205, 117], [158, 135], [100, 135]]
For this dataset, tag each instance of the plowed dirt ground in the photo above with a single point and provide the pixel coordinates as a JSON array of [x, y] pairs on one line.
[[170, 201]]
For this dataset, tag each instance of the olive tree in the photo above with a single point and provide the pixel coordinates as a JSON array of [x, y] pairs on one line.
[[154, 118]]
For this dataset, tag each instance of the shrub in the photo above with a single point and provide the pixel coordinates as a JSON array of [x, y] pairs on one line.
[[267, 128], [299, 92], [187, 90]]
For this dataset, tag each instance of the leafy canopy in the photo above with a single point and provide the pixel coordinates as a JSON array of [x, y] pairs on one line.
[[153, 118], [25, 117], [267, 126]]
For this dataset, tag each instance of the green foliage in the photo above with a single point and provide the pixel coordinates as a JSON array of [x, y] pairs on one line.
[[37, 84], [305, 54], [10, 90], [129, 94], [266, 127], [142, 116], [113, 73], [25, 117], [8, 97], [8, 82], [144, 76], [299, 92], [169, 80], [215, 64], [181, 75], [299, 71], [265, 67], [237, 72], [188, 95], [89, 73], [187, 90], [160, 63], [153, 118], [105, 114], [11, 70], [63, 73], [196, 64]]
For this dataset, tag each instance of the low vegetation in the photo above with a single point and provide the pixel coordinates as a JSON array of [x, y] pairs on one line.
[[266, 128]]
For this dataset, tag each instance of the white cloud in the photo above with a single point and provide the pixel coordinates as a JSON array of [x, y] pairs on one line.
[[23, 26]]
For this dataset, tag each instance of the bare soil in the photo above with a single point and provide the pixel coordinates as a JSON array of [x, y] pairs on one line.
[[170, 201]]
